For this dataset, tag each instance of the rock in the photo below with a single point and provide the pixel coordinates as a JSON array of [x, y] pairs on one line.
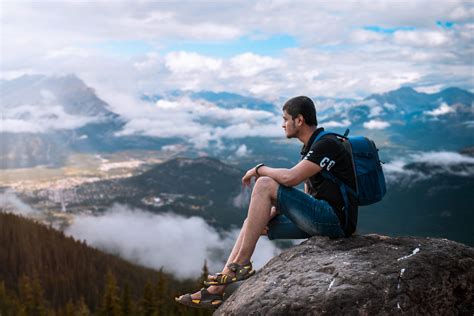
[[361, 275]]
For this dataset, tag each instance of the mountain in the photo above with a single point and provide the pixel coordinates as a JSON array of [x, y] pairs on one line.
[[44, 119], [43, 272], [432, 197], [405, 119], [47, 118]]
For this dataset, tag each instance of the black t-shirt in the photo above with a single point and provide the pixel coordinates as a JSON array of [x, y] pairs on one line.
[[329, 153]]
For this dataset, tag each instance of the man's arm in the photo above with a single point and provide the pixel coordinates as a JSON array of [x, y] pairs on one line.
[[287, 177]]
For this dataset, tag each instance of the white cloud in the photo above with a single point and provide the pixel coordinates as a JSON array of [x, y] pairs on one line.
[[161, 240], [184, 62], [443, 109], [45, 116], [250, 64], [330, 124], [242, 151], [364, 36], [401, 170], [421, 39], [376, 124], [197, 121], [10, 203], [442, 158], [375, 111], [324, 61]]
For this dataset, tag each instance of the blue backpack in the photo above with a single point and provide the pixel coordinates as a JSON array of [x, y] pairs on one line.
[[370, 181]]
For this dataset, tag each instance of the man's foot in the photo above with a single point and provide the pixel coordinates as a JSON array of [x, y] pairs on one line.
[[216, 277], [219, 290], [202, 299], [234, 272]]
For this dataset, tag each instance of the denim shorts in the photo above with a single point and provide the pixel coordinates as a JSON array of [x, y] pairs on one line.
[[302, 216]]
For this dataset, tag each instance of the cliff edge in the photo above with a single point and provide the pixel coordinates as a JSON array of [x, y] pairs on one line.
[[361, 275]]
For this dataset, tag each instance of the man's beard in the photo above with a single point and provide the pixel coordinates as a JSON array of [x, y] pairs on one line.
[[294, 134]]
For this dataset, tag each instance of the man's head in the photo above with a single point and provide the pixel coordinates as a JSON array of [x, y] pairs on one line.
[[297, 112]]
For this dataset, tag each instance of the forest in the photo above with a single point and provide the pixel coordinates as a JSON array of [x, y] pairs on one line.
[[44, 272]]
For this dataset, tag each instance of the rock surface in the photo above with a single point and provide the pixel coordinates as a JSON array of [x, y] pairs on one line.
[[361, 275]]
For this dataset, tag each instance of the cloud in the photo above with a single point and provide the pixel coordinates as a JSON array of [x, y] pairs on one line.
[[334, 53], [422, 39], [161, 240], [250, 64], [183, 62], [407, 170], [10, 203], [376, 124], [41, 117], [242, 151], [330, 124], [199, 122], [443, 109]]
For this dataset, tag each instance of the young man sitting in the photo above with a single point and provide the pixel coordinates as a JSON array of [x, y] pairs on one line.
[[282, 211]]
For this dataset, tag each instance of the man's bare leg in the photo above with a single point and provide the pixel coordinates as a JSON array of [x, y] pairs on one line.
[[264, 194]]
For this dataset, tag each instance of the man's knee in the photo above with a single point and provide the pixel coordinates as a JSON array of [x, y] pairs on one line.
[[265, 184]]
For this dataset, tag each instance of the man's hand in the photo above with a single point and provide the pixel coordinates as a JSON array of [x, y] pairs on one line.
[[247, 178]]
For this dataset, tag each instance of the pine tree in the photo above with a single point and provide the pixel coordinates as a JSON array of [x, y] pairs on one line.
[[162, 299], [8, 304], [204, 275], [126, 303], [148, 304], [81, 308], [111, 301], [31, 296]]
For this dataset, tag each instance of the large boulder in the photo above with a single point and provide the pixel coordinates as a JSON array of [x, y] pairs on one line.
[[361, 275]]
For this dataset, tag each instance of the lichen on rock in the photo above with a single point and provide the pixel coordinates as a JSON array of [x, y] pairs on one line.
[[361, 275]]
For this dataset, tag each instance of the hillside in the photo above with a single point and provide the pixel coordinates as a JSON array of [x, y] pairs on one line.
[[44, 272]]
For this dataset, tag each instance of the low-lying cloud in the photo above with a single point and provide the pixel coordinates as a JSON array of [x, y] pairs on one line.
[[178, 244], [197, 121], [42, 117], [10, 203], [425, 165]]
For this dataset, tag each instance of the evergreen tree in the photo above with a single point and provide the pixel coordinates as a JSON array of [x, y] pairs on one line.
[[162, 299], [31, 296], [126, 304], [81, 308], [148, 304], [111, 301], [8, 305], [204, 275]]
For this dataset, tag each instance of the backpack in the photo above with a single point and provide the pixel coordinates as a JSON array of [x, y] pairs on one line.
[[370, 180]]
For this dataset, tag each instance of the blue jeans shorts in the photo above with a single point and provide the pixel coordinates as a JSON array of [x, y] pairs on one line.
[[302, 216]]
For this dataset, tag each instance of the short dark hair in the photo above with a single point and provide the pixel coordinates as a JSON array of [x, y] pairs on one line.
[[304, 106]]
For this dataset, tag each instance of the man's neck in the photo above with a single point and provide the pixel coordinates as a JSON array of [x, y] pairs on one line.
[[306, 134]]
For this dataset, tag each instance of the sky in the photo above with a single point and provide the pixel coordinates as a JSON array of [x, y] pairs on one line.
[[268, 49]]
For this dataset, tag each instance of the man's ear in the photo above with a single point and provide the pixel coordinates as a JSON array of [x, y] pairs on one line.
[[300, 119]]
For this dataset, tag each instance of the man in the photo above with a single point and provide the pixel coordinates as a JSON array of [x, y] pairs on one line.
[[282, 211]]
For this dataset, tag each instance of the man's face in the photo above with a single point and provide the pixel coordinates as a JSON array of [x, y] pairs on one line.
[[289, 125]]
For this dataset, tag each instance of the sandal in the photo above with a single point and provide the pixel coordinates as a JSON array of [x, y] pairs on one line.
[[208, 300], [242, 272]]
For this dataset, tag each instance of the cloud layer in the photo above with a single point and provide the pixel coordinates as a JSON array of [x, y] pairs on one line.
[[179, 245], [330, 48], [403, 171]]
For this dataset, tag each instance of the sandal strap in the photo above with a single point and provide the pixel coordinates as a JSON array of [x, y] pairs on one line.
[[206, 296], [240, 270]]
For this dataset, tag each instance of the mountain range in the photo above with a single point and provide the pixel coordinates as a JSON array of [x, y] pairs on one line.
[[46, 118]]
